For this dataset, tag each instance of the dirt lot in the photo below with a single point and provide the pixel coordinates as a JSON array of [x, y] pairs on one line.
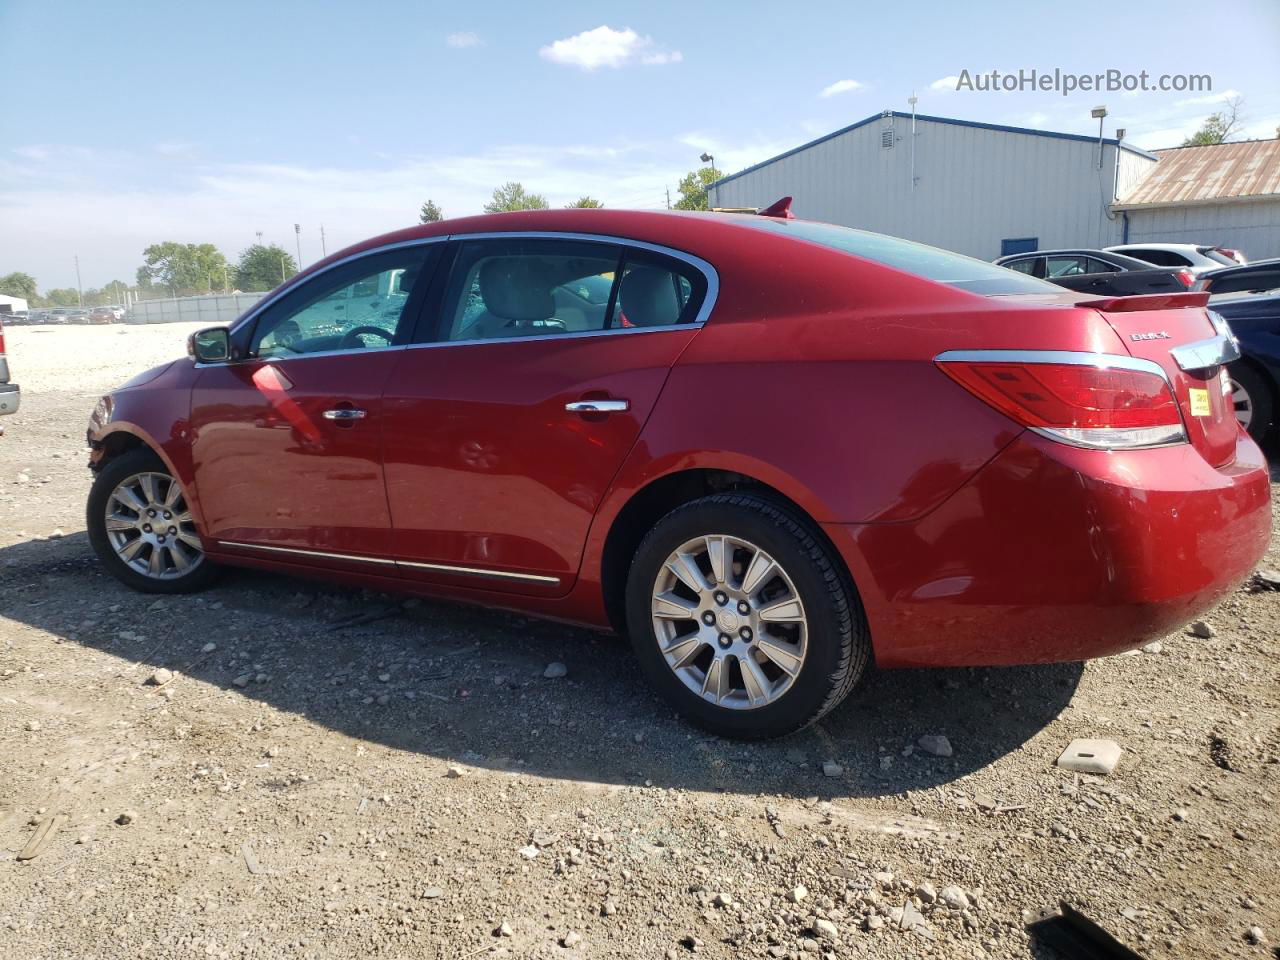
[[315, 784]]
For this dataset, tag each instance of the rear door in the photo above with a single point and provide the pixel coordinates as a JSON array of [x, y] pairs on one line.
[[506, 424]]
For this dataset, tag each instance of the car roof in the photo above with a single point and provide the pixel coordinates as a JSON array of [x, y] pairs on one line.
[[1173, 247], [1107, 256]]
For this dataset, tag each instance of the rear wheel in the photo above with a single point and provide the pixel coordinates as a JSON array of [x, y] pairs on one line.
[[743, 619], [1252, 400], [141, 528]]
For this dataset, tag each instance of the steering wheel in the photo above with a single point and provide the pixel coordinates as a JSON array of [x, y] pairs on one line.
[[351, 339]]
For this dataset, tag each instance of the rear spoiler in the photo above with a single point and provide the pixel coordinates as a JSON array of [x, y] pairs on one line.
[[1149, 301]]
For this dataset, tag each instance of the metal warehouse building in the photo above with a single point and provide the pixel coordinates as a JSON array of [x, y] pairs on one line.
[[1226, 194], [987, 190]]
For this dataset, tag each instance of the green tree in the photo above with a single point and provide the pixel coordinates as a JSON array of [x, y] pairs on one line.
[[264, 267], [1218, 127], [512, 196], [62, 297], [430, 213], [19, 285], [584, 202], [183, 268], [693, 188]]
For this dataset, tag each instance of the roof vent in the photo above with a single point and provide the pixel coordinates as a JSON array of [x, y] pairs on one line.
[[886, 132]]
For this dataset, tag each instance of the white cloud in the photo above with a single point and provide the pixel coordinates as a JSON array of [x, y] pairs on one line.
[[1037, 119], [945, 84], [1207, 99], [460, 41], [31, 153], [606, 47], [841, 86]]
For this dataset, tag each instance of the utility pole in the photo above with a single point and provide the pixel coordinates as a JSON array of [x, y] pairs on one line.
[[297, 235], [323, 251], [258, 234], [282, 276], [668, 198], [79, 289]]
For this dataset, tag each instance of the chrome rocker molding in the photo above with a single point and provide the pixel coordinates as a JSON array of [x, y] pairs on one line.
[[398, 564]]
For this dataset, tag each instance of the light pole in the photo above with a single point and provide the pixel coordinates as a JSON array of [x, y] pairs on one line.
[[79, 288], [1100, 113], [708, 158], [297, 235]]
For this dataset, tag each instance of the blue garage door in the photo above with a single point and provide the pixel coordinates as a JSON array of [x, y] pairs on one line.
[[1018, 245]]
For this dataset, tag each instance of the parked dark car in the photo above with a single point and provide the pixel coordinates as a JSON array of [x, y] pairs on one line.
[[1249, 299], [1099, 271]]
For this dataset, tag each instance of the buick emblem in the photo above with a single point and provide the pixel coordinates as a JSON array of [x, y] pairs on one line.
[[1151, 335]]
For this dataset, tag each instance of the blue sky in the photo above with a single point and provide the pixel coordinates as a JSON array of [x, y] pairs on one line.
[[124, 124]]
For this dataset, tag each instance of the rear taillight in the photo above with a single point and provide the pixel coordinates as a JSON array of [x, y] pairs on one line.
[[1087, 400], [1186, 278]]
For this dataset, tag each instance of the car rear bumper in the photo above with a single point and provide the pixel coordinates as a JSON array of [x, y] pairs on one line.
[[1053, 553], [10, 398]]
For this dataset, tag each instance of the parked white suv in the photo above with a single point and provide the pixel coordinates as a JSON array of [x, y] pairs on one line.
[[1195, 257]]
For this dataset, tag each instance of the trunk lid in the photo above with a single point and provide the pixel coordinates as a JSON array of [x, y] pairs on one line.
[[1154, 328]]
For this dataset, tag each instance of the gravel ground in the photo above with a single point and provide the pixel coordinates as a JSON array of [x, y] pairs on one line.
[[333, 773]]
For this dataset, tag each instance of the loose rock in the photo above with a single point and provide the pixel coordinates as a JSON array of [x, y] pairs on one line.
[[832, 769], [935, 744], [1202, 629], [555, 671]]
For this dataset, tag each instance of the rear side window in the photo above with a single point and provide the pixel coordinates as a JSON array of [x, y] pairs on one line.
[[1216, 255], [504, 289], [932, 263], [1161, 258], [1064, 266], [1094, 265]]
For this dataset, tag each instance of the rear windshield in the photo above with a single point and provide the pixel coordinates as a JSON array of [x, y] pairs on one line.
[[942, 266], [1213, 253]]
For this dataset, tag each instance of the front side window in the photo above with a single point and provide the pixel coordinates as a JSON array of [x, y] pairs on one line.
[[503, 289], [357, 306]]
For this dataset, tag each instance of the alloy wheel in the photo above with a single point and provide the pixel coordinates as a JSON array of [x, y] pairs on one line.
[[729, 622], [1242, 402], [150, 528]]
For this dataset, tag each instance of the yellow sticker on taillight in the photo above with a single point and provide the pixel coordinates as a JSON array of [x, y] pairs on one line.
[[1199, 402]]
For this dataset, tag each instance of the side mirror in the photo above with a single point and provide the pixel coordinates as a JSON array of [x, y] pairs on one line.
[[211, 345]]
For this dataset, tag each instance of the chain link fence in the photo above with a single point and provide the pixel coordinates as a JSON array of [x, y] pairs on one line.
[[212, 310]]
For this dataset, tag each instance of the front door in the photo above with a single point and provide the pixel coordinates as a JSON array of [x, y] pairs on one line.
[[287, 443], [505, 427]]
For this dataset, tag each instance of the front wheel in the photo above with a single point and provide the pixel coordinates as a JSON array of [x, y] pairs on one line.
[[742, 617], [141, 528]]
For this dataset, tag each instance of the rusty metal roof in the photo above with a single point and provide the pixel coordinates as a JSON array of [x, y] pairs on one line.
[[1221, 171]]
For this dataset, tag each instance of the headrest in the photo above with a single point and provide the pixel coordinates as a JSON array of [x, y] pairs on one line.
[[517, 288], [648, 297]]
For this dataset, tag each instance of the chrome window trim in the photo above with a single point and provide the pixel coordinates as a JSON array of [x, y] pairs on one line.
[[1102, 361], [303, 356], [382, 561], [709, 273]]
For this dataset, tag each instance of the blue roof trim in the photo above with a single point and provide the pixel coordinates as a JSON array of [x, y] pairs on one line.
[[950, 120]]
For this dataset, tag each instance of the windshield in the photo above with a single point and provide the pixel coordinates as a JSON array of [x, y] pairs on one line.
[[932, 263]]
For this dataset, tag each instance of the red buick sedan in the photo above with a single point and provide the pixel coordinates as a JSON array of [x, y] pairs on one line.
[[767, 450]]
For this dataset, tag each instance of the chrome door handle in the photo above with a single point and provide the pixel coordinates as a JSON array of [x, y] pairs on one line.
[[598, 406], [344, 413]]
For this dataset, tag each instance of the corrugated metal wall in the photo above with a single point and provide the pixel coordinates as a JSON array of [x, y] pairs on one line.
[[974, 186], [1250, 226], [214, 310]]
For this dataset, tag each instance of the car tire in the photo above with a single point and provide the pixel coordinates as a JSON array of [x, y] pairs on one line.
[[1249, 390], [790, 639], [142, 554]]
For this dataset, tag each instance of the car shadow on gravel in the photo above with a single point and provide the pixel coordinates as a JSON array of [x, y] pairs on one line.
[[466, 685]]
